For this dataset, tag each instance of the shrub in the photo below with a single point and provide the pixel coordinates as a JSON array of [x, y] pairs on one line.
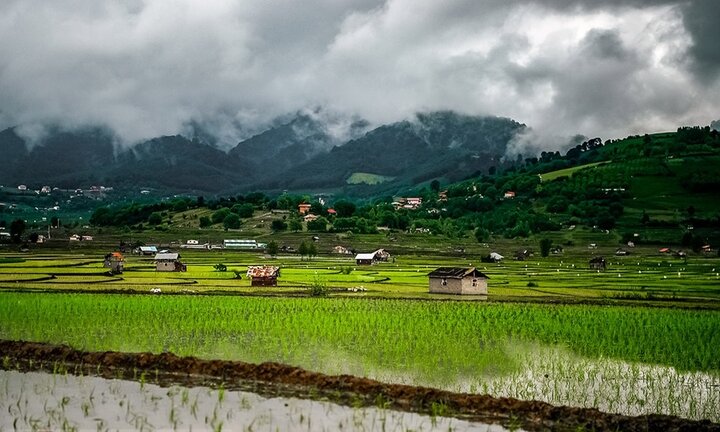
[[318, 288]]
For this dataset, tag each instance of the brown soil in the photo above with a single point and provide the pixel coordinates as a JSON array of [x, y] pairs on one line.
[[273, 379]]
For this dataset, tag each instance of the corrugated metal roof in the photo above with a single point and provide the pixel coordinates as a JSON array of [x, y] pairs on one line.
[[365, 256], [262, 271], [456, 272], [167, 256]]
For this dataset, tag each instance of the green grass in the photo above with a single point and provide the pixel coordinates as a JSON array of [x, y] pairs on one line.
[[367, 178], [404, 333], [567, 172]]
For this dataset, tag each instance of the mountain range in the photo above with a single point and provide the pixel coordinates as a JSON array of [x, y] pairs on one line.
[[299, 154]]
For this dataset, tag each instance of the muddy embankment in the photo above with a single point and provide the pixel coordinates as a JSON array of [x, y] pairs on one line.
[[273, 379]]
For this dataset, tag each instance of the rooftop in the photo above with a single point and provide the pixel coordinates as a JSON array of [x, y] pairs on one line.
[[456, 272]]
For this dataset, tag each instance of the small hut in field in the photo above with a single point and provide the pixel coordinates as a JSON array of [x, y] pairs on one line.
[[598, 263], [458, 280], [263, 275], [115, 262], [169, 262]]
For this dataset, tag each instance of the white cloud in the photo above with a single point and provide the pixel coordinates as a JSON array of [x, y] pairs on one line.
[[151, 67]]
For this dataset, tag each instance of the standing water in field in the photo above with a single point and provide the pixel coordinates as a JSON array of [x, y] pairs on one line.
[[40, 401]]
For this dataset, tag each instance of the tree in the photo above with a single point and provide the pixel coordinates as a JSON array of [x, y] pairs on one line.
[[180, 205], [344, 208], [220, 215], [295, 225], [545, 245], [278, 225], [303, 250], [435, 186], [205, 222], [645, 218], [231, 221], [17, 228], [482, 235], [55, 222], [317, 208], [273, 248], [320, 224], [155, 218], [312, 251], [243, 210]]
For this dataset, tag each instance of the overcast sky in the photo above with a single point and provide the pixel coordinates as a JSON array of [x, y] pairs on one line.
[[150, 67]]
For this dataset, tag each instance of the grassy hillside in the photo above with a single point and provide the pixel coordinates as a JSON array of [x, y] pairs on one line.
[[367, 178]]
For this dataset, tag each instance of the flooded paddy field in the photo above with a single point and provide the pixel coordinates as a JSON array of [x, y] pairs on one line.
[[368, 403], [45, 401]]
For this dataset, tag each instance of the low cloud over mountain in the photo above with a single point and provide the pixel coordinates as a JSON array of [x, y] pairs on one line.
[[147, 68]]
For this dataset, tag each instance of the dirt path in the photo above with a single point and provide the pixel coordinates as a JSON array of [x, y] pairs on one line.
[[271, 379]]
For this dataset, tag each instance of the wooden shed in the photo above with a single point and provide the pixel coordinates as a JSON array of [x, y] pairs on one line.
[[365, 258], [458, 280], [598, 263], [115, 262], [169, 262], [263, 275]]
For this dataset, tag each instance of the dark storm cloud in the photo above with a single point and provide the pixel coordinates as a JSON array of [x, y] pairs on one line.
[[702, 20], [153, 67]]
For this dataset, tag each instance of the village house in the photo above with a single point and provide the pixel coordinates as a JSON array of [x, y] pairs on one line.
[[372, 257], [310, 217], [598, 263], [410, 203], [241, 244], [365, 258], [342, 250], [114, 261], [169, 262], [303, 208], [146, 250], [263, 275], [509, 195], [458, 280], [493, 257]]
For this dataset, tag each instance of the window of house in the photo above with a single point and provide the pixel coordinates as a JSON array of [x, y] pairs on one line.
[[443, 281], [474, 282]]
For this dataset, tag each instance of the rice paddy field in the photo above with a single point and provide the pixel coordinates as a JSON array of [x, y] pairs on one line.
[[641, 337]]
